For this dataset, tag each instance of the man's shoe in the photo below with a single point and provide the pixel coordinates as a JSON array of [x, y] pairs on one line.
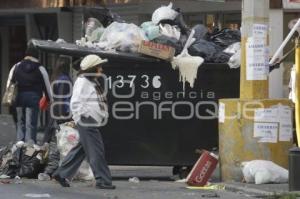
[[105, 186], [62, 181]]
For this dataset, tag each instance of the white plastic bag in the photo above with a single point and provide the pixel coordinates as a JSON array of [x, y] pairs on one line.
[[170, 31], [164, 12], [263, 171], [235, 60], [67, 138], [151, 30], [93, 30], [122, 36], [233, 48]]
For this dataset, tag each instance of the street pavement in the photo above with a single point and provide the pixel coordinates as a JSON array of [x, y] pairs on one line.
[[151, 189], [153, 183]]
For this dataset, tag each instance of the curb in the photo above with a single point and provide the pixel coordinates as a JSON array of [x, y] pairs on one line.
[[249, 191]]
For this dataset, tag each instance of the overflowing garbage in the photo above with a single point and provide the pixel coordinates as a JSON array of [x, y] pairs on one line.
[[168, 28]]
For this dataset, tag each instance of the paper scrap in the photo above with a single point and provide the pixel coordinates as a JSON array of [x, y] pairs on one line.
[[286, 125], [34, 195], [260, 31], [221, 112], [266, 115], [266, 132]]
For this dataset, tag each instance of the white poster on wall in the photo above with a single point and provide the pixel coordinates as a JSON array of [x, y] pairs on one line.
[[257, 59], [266, 120], [286, 126], [260, 31], [266, 132]]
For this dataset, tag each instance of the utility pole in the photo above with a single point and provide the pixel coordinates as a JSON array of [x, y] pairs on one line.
[[253, 126], [255, 56]]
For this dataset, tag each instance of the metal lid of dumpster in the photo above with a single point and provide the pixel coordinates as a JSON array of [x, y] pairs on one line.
[[75, 50]]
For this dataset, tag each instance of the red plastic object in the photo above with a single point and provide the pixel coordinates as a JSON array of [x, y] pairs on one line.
[[43, 103], [203, 169]]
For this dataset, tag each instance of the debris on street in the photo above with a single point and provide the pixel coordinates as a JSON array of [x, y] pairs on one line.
[[34, 195], [134, 180]]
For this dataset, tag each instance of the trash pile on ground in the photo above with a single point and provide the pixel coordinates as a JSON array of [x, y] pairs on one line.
[[22, 159], [31, 161]]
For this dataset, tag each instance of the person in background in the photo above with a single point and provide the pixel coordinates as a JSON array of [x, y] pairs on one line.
[[32, 80], [89, 110], [61, 83]]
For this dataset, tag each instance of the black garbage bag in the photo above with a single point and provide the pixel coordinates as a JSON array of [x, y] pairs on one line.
[[221, 57], [104, 15], [170, 41], [200, 32], [178, 21], [205, 49], [225, 37], [53, 157], [9, 162], [29, 165]]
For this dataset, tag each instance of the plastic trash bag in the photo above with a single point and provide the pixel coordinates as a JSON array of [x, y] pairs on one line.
[[235, 60], [9, 161], [93, 30], [122, 36], [164, 13], [200, 32], [263, 171], [179, 21], [103, 15], [233, 48], [67, 138], [205, 49], [151, 30], [169, 31], [31, 163], [221, 57], [53, 158], [226, 37]]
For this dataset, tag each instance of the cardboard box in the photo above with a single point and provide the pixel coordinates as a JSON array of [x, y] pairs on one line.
[[157, 50]]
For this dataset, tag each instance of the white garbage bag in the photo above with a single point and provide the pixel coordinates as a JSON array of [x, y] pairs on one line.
[[233, 48], [163, 13], [170, 31], [93, 30], [263, 171], [122, 36], [235, 60], [67, 138]]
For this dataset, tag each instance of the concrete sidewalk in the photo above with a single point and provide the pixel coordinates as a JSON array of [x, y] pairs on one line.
[[260, 191]]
